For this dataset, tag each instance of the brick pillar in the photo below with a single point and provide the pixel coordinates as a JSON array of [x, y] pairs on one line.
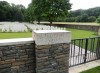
[[52, 51]]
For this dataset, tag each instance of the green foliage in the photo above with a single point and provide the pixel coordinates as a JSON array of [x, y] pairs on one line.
[[78, 19], [91, 19], [90, 12], [98, 19], [70, 19], [11, 12], [29, 14], [76, 13], [93, 11], [84, 18], [60, 19], [88, 15], [50, 8]]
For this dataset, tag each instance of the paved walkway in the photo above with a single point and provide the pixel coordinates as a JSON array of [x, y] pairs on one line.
[[82, 67], [77, 55]]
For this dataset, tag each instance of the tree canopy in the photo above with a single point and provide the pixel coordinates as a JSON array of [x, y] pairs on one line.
[[50, 9], [47, 10], [11, 12]]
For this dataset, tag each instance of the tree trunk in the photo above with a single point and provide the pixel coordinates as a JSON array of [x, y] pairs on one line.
[[38, 22]]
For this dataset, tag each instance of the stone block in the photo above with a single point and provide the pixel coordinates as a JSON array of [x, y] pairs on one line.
[[47, 37]]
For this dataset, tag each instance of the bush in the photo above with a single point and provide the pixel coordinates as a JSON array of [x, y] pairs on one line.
[[78, 19], [91, 19], [84, 18], [60, 19], [98, 19], [71, 19]]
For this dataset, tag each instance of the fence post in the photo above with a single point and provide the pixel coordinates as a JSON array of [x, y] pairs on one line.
[[86, 48], [52, 50]]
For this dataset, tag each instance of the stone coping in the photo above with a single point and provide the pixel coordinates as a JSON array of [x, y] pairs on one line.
[[49, 31], [4, 42], [49, 37]]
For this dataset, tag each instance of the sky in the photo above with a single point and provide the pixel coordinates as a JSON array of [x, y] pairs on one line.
[[76, 4]]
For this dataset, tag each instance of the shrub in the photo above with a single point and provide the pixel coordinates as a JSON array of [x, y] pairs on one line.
[[98, 19], [60, 19], [78, 19], [91, 19], [84, 18], [71, 19]]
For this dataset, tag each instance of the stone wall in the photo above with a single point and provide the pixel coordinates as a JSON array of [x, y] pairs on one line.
[[52, 58], [48, 53], [17, 58], [77, 26]]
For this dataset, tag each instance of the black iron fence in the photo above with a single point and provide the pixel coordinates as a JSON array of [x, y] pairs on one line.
[[84, 50]]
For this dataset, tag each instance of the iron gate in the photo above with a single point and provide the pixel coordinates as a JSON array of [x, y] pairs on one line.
[[84, 50]]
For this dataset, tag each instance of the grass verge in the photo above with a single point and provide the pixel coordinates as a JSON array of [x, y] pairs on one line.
[[15, 35], [93, 70], [75, 34]]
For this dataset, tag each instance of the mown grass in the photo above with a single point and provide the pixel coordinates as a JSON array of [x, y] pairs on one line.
[[93, 70], [15, 35], [75, 34]]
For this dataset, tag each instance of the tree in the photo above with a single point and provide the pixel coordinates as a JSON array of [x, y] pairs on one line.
[[70, 19], [76, 13], [78, 19], [98, 19], [4, 9], [93, 11], [11, 12], [29, 13], [51, 8], [84, 18]]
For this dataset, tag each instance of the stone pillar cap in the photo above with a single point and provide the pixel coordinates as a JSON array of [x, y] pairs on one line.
[[48, 37]]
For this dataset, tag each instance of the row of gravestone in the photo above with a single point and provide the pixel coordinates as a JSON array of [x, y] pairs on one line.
[[23, 27]]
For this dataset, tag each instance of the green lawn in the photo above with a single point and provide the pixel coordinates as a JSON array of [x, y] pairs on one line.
[[81, 33], [75, 34], [93, 70], [15, 35]]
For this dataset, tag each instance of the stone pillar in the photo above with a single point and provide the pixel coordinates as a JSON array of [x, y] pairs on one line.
[[52, 51]]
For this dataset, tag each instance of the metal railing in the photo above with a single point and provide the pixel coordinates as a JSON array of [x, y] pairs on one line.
[[84, 50]]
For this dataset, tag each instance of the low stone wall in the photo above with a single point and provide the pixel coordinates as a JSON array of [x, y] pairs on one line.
[[48, 53], [77, 26], [17, 58]]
